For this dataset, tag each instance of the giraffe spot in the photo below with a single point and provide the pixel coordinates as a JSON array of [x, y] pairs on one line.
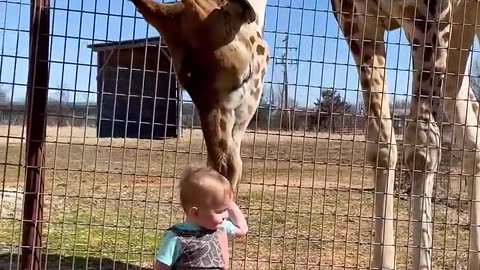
[[376, 81], [409, 12], [268, 59], [365, 82], [420, 23], [428, 53], [260, 50], [426, 76], [223, 124], [256, 82], [434, 38], [263, 72], [222, 144], [252, 39], [432, 6], [259, 35], [366, 57], [348, 7], [379, 46], [347, 29], [355, 47], [416, 41]]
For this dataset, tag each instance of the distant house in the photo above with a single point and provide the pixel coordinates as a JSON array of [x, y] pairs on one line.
[[138, 94]]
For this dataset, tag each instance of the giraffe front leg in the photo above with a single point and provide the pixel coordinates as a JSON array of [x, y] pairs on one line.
[[462, 110], [422, 156], [365, 37], [428, 35]]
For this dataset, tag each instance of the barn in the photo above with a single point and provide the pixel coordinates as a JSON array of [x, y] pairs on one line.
[[138, 94]]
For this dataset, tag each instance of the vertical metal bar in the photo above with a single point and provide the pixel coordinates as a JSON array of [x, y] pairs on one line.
[[37, 94]]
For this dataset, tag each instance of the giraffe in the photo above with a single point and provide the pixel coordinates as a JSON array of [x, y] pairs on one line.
[[220, 58], [433, 28]]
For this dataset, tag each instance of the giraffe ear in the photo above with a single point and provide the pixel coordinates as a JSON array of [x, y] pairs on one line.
[[241, 8]]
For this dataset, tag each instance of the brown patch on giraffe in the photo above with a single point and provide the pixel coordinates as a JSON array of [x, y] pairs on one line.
[[222, 144], [263, 72], [252, 40], [426, 76], [365, 82], [421, 24], [260, 50], [432, 6], [347, 7], [367, 57], [427, 53], [223, 124], [416, 42], [409, 12], [256, 82], [347, 28], [355, 45]]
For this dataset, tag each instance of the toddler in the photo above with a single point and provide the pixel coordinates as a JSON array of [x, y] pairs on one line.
[[200, 242]]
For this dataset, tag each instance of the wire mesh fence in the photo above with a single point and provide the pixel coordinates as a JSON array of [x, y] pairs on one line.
[[120, 131]]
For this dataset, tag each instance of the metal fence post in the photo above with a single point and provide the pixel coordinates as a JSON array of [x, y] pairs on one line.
[[37, 95]]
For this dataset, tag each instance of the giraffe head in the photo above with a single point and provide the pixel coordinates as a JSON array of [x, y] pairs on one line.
[[207, 39]]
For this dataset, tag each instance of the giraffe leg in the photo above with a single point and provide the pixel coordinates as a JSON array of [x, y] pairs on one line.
[[422, 137], [462, 110], [365, 38]]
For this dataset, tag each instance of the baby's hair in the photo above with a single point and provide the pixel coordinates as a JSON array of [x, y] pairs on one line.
[[203, 186]]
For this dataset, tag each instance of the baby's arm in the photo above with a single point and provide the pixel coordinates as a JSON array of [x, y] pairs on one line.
[[167, 253], [238, 225]]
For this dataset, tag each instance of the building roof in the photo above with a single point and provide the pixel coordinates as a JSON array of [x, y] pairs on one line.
[[127, 44]]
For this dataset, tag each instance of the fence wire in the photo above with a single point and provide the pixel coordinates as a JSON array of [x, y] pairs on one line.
[[120, 131]]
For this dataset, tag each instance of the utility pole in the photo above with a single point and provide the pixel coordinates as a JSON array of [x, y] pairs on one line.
[[285, 62]]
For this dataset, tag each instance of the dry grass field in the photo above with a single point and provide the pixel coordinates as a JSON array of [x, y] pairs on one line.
[[307, 197]]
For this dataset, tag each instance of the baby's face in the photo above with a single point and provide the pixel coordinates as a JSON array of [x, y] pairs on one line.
[[212, 218]]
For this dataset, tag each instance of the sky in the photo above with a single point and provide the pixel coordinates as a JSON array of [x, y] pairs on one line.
[[318, 55]]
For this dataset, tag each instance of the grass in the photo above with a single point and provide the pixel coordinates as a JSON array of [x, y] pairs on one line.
[[307, 198]]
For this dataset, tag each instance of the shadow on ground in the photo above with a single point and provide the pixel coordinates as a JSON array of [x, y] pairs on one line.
[[55, 261]]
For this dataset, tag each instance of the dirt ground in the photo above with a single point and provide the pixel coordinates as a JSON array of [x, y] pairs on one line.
[[307, 196]]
